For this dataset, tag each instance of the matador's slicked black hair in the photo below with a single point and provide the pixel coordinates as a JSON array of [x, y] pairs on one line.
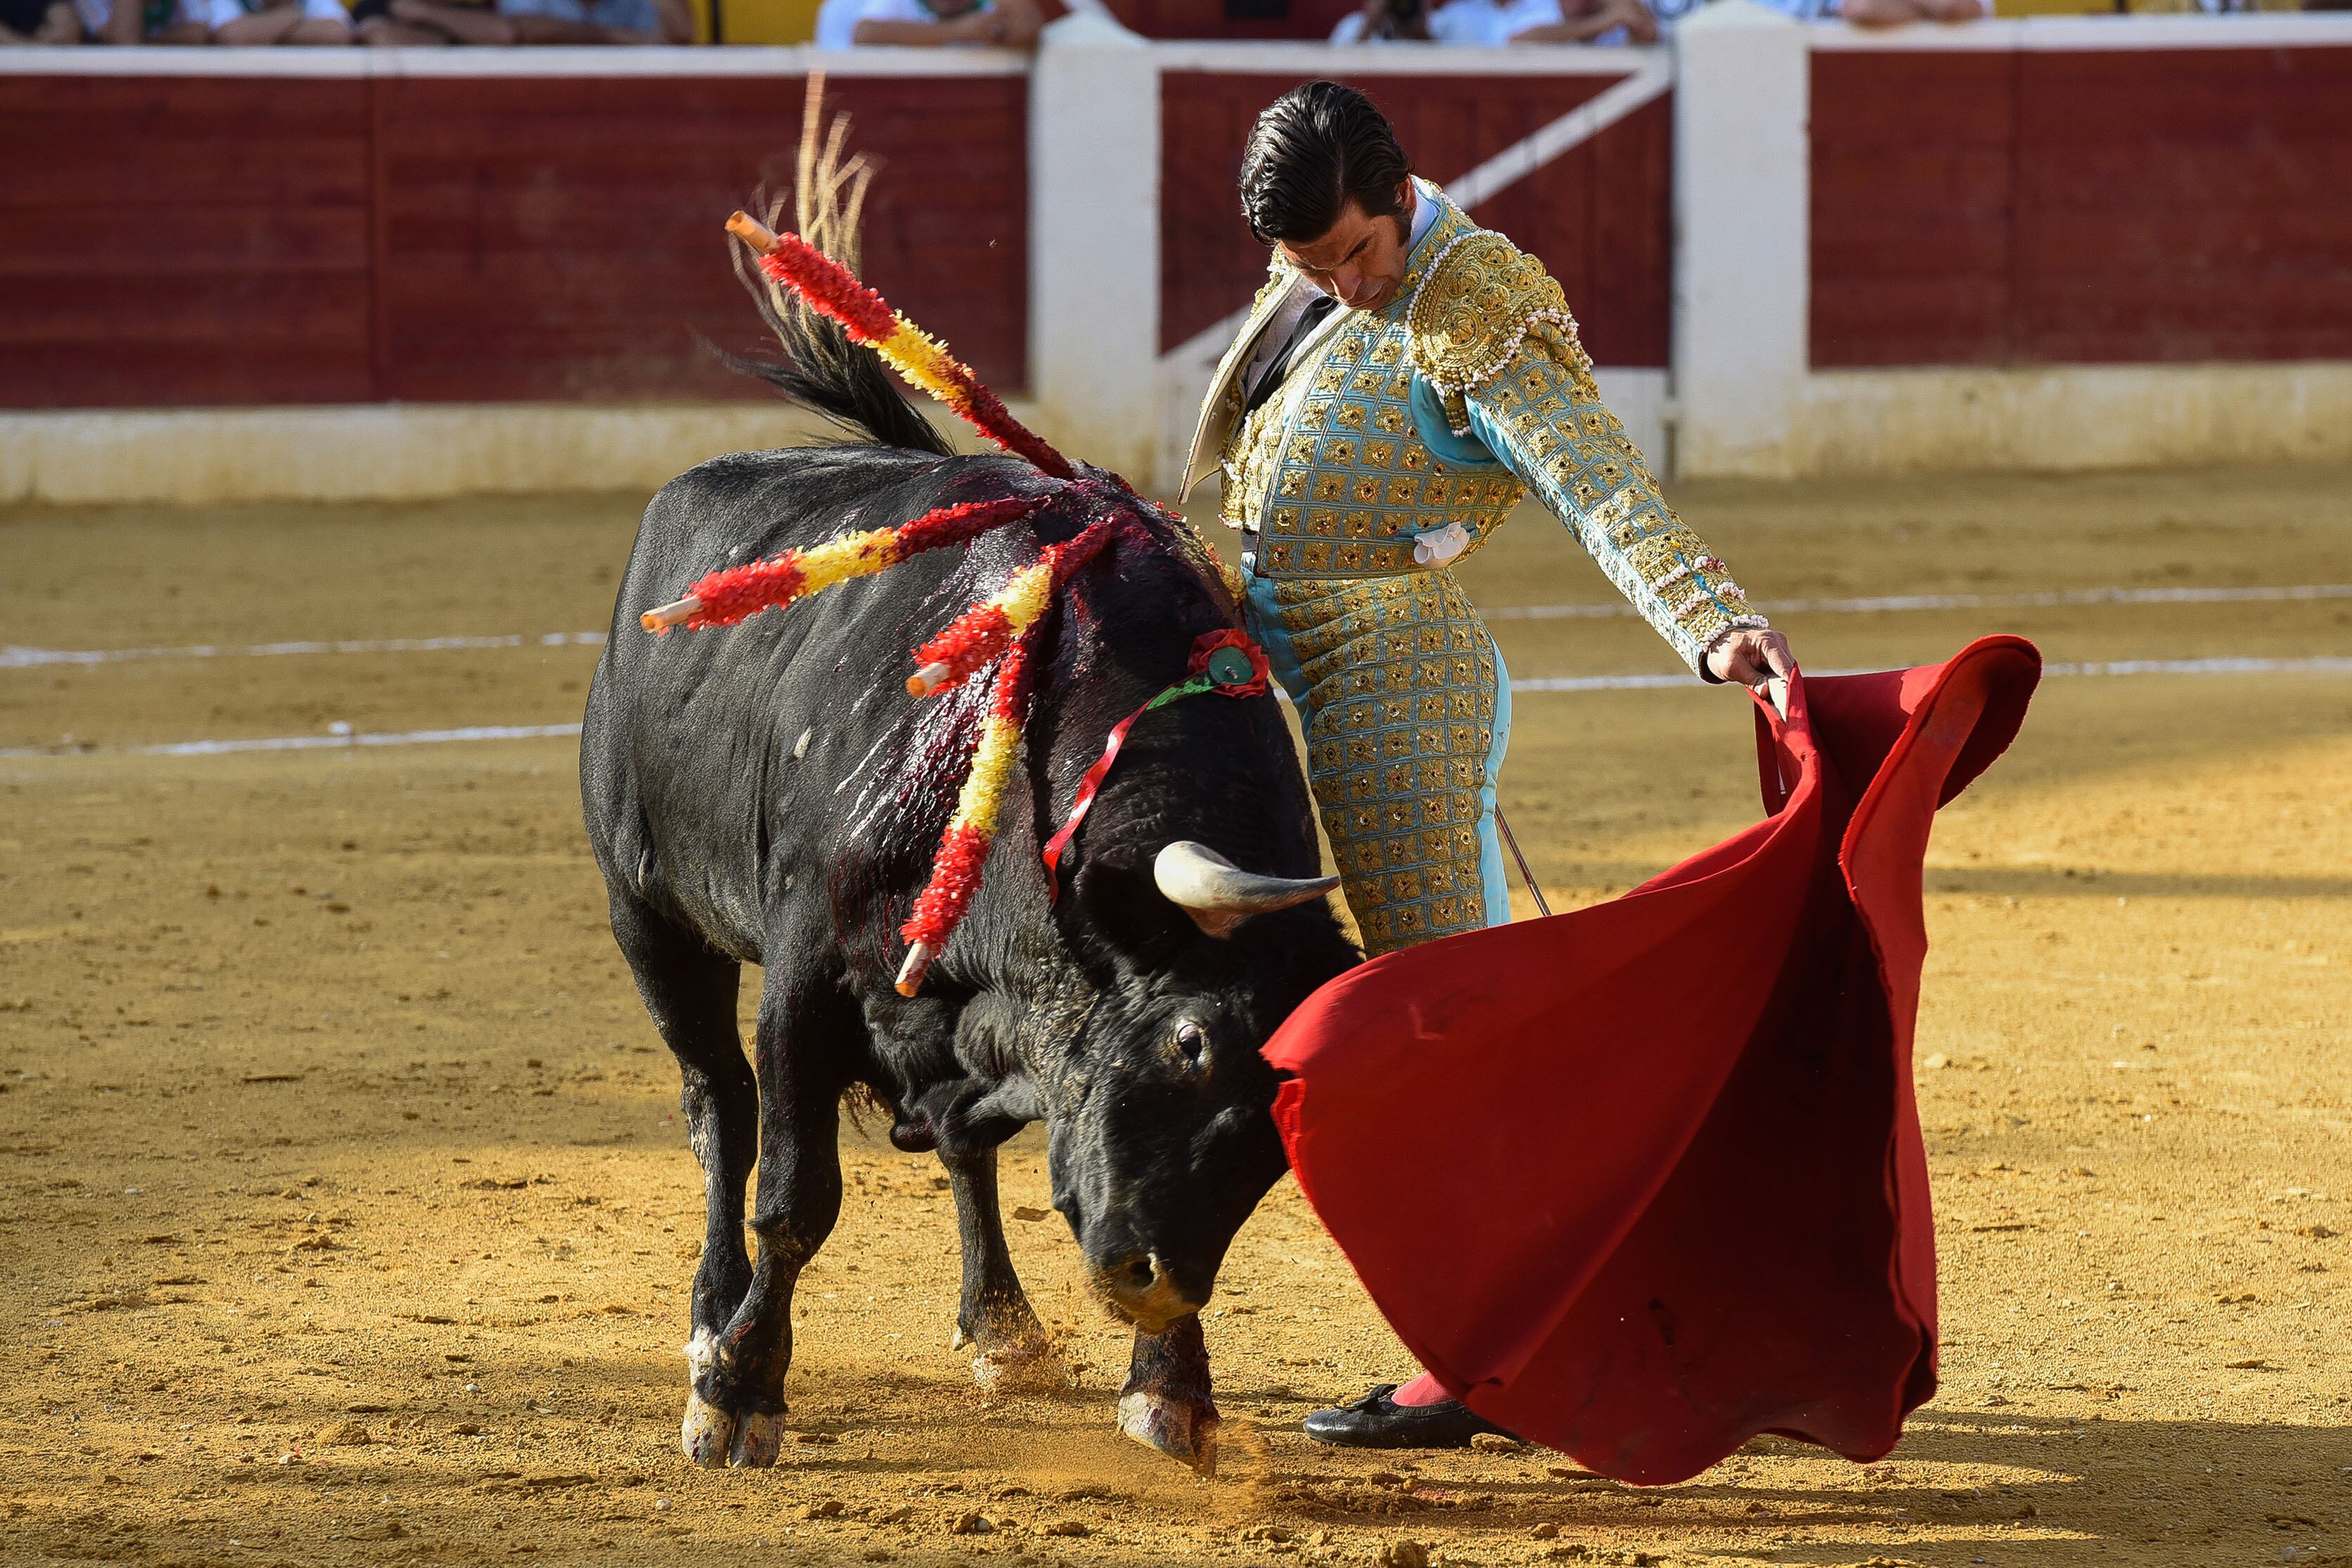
[[1314, 150]]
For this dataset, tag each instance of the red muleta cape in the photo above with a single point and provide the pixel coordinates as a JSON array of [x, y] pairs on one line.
[[1642, 1180]]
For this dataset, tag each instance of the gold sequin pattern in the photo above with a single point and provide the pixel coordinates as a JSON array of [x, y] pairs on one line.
[[1482, 295], [1341, 439], [1593, 476], [1399, 715]]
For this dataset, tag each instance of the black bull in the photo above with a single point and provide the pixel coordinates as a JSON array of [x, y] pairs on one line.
[[769, 793]]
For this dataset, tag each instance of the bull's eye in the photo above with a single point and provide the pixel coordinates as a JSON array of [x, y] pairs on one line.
[[1193, 1041]]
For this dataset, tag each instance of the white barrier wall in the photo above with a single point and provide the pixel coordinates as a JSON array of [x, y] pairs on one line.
[[1094, 242], [1742, 265]]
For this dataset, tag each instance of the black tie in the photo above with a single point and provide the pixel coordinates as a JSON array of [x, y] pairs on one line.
[[1278, 367]]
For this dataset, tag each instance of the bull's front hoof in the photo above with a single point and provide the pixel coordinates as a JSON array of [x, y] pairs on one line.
[[1031, 1366], [706, 1433], [759, 1438], [1183, 1429]]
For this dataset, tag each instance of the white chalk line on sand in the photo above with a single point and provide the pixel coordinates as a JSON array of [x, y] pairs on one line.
[[305, 743], [2320, 666], [14, 656], [1912, 602]]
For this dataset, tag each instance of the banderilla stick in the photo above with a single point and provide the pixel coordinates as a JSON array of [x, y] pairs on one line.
[[752, 232], [1504, 823]]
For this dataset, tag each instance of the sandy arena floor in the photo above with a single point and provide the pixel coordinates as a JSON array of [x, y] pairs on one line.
[[348, 1217]]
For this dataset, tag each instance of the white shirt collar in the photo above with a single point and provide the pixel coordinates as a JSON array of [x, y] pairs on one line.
[[1424, 211]]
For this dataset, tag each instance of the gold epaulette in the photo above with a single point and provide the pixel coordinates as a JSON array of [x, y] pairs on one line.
[[1474, 307]]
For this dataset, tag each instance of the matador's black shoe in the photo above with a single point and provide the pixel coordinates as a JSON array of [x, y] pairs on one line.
[[1376, 1421]]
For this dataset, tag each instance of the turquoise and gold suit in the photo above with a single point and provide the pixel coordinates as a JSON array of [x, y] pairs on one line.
[[1397, 442]]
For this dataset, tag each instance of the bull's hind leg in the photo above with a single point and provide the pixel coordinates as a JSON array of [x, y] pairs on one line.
[[1166, 1404], [690, 992], [802, 1049], [994, 1315]]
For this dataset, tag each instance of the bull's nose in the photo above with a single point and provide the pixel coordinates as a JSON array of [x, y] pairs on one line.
[[1141, 1287]]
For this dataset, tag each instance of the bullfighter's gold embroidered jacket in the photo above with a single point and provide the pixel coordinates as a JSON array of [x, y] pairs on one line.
[[1398, 442]]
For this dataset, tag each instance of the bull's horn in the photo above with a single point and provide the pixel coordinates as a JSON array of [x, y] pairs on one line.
[[1220, 895]]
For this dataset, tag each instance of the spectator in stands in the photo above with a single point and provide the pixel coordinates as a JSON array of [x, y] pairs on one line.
[[1384, 22], [1603, 22], [510, 22], [1894, 13], [243, 24], [24, 22], [146, 22], [1882, 13], [127, 21], [1543, 22], [928, 24], [373, 22]]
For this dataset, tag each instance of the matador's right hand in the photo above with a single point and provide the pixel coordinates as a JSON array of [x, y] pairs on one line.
[[1750, 657]]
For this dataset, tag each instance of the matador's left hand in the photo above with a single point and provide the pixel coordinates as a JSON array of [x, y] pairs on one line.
[[1751, 656]]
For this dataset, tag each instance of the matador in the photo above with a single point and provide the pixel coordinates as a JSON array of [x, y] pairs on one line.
[[1403, 379]]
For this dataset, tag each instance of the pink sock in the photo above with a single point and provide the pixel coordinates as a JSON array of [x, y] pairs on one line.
[[1423, 1390]]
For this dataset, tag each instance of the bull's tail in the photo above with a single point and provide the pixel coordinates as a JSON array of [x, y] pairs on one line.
[[821, 369]]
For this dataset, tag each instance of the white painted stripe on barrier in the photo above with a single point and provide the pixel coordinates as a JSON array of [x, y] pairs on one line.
[[1896, 604], [1586, 120], [1651, 75], [19, 657], [727, 60], [2092, 34], [305, 743], [2321, 666]]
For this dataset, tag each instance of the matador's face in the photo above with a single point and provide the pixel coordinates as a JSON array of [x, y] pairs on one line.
[[1359, 260]]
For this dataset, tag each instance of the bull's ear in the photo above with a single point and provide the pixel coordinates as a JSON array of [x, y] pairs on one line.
[[1016, 1097], [982, 1117]]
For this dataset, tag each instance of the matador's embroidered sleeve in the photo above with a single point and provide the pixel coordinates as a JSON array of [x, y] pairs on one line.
[[1492, 333]]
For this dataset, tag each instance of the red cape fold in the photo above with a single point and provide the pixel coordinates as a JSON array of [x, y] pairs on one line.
[[1642, 1180]]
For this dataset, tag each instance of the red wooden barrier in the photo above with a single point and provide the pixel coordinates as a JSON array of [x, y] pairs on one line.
[[191, 239], [1600, 215], [462, 238], [2128, 206]]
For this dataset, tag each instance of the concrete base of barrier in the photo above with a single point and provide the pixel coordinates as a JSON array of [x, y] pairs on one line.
[[2071, 417], [376, 452], [1850, 422]]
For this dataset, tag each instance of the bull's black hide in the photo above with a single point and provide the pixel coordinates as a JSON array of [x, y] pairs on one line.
[[769, 793]]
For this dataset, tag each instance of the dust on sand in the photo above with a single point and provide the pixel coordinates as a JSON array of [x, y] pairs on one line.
[[348, 1218]]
